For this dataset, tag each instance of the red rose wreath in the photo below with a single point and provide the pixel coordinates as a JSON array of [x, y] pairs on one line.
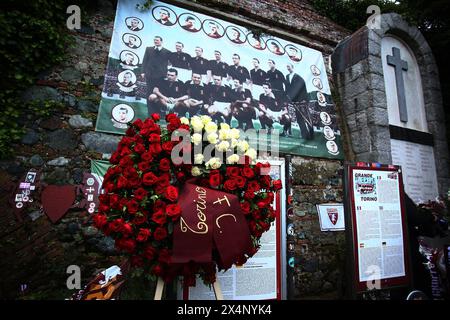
[[182, 216]]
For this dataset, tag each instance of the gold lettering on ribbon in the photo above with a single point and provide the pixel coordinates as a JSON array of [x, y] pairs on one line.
[[202, 227], [225, 198], [224, 215], [200, 206]]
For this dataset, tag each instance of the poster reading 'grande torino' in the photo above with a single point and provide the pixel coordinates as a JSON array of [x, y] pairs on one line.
[[168, 59], [379, 225]]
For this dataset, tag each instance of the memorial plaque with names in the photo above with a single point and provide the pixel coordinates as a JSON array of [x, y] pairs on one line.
[[419, 170]]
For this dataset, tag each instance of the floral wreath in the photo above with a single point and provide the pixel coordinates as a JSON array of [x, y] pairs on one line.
[[145, 204]]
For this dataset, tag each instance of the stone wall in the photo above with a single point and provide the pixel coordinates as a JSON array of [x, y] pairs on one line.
[[37, 252], [319, 256]]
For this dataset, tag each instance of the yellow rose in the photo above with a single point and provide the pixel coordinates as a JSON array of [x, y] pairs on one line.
[[184, 120], [212, 138], [243, 146], [224, 126], [224, 134], [211, 127], [198, 158], [233, 159], [251, 153], [197, 124], [234, 143], [234, 133], [213, 163], [223, 146], [205, 119], [195, 171], [196, 138]]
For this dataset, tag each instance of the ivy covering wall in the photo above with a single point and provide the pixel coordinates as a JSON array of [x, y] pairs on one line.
[[34, 38]]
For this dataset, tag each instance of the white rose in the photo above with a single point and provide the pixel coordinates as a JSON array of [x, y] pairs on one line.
[[223, 146], [184, 120], [198, 158], [211, 127], [213, 163], [224, 126], [234, 133], [197, 124], [195, 171], [205, 119], [212, 138], [243, 146], [233, 159], [251, 153], [224, 134], [234, 143], [196, 138]]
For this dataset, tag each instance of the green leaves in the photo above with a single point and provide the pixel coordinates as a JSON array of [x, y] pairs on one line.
[[34, 38]]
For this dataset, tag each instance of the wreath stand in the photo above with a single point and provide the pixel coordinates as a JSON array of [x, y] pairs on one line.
[[160, 287]]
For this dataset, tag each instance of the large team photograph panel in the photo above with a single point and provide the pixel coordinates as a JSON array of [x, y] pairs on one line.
[[172, 60]]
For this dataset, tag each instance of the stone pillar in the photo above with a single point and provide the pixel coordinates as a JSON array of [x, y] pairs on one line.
[[369, 94]]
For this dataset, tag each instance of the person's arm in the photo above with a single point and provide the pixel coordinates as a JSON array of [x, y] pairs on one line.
[[283, 81], [286, 81], [247, 75], [262, 107], [159, 94], [247, 100], [198, 102], [182, 98], [144, 63]]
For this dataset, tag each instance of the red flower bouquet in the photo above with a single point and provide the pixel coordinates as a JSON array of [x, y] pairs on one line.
[[179, 212]]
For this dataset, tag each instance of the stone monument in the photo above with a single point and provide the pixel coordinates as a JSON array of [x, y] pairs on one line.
[[389, 87]]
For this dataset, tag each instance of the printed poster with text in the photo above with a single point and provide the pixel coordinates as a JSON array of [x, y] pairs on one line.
[[379, 227], [169, 59]]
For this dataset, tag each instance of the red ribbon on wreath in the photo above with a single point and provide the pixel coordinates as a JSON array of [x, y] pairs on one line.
[[210, 219]]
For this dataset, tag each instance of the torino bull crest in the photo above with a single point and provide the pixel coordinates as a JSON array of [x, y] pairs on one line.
[[172, 60]]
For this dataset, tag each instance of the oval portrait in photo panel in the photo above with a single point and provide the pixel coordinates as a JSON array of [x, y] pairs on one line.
[[164, 15], [134, 23], [294, 53], [126, 81], [275, 47], [189, 22], [321, 99], [328, 133], [235, 35], [325, 118], [213, 29], [132, 41], [332, 147], [255, 41], [129, 58], [317, 83], [126, 78], [315, 71], [122, 113]]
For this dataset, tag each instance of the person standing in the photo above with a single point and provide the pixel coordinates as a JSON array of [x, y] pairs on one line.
[[217, 66], [236, 71], [275, 77], [295, 86], [199, 65], [257, 75], [154, 65], [179, 59]]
